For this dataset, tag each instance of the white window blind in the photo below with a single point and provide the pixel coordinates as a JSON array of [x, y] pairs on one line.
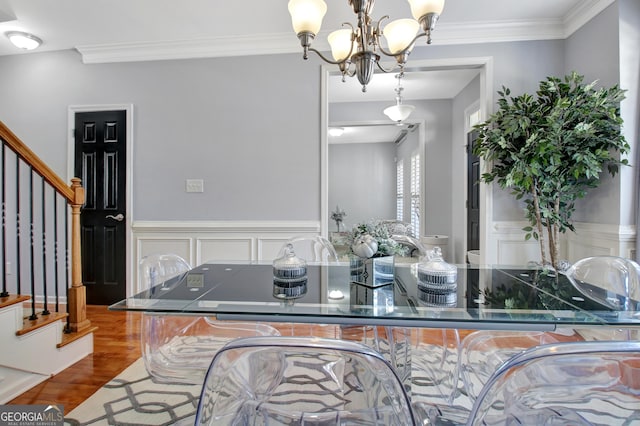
[[474, 118], [400, 190], [415, 194]]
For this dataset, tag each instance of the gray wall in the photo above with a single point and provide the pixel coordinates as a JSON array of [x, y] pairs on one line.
[[592, 52], [362, 181], [251, 132]]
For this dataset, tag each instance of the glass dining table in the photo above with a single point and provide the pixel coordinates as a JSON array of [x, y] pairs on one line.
[[516, 298], [497, 297]]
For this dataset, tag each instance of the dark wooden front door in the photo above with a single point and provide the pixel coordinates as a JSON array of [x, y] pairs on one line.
[[100, 160], [473, 194]]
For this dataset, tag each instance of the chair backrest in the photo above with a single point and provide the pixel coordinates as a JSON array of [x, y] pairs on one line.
[[155, 269], [617, 276], [312, 249], [398, 227], [481, 352], [575, 383], [296, 380], [413, 245]]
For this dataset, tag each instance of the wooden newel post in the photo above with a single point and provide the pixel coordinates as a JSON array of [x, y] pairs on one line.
[[77, 293]]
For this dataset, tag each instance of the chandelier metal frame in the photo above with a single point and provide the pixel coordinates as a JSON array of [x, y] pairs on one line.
[[363, 55]]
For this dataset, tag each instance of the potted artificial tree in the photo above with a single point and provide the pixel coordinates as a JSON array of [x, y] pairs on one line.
[[550, 149]]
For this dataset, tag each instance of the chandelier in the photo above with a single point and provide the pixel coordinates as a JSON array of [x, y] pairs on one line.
[[355, 50], [399, 112]]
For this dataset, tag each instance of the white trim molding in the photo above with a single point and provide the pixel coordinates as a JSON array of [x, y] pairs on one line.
[[202, 241]]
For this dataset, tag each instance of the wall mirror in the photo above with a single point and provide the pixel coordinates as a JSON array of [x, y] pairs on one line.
[[361, 167]]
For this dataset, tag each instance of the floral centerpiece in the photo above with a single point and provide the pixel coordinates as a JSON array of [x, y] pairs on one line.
[[373, 239]]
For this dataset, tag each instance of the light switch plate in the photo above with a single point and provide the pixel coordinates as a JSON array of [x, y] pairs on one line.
[[195, 185]]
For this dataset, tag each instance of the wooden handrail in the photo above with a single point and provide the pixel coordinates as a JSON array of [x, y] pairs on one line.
[[34, 161], [74, 194]]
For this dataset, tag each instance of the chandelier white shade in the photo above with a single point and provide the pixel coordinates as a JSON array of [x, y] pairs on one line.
[[399, 112], [23, 40], [306, 15], [340, 42], [421, 8], [400, 34], [357, 50]]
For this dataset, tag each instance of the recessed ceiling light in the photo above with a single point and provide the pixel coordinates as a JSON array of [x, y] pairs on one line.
[[23, 40]]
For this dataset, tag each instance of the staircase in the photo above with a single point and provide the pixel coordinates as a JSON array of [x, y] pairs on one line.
[[43, 324]]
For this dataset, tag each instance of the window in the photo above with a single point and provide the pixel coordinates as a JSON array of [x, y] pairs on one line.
[[474, 118], [400, 190], [415, 194]]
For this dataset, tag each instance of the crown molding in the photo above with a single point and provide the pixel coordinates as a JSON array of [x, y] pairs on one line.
[[445, 34], [186, 49]]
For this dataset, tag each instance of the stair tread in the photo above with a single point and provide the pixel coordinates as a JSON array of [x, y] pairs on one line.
[[29, 325], [12, 300]]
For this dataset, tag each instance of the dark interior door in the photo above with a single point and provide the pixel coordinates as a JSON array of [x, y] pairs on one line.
[[473, 194], [100, 160]]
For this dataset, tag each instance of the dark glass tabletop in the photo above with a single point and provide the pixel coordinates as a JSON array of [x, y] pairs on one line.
[[497, 297]]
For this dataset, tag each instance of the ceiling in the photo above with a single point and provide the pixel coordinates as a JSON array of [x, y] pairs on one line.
[[124, 30], [138, 30]]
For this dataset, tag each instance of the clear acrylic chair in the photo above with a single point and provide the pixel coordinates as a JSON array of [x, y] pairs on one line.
[[180, 348], [609, 280], [301, 381], [312, 249], [482, 352], [605, 279], [434, 357], [158, 268], [415, 249], [575, 383]]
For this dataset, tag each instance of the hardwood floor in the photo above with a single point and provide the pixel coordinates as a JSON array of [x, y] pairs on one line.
[[116, 346]]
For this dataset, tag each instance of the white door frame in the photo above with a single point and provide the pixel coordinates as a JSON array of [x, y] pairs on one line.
[[485, 64], [128, 108]]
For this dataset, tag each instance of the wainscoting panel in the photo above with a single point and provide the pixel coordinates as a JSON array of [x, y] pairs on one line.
[[224, 249], [517, 252], [268, 248], [600, 240], [154, 245], [590, 239], [199, 242]]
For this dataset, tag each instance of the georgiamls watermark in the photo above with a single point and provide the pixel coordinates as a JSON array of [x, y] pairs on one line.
[[31, 415]]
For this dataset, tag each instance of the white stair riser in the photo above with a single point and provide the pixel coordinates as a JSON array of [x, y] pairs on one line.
[[37, 350]]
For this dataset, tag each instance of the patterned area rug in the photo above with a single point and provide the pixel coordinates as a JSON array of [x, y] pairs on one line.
[[134, 398]]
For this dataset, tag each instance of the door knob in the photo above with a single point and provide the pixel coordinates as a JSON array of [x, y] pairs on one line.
[[119, 217]]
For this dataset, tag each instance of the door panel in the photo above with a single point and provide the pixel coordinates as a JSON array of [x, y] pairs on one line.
[[473, 194], [100, 159]]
